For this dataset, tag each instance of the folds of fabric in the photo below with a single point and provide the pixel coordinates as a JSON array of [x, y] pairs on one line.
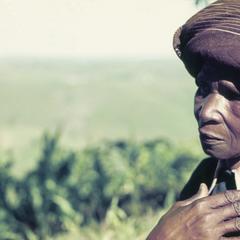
[[213, 34]]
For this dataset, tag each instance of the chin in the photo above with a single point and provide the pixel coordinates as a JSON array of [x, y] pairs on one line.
[[223, 152], [218, 153]]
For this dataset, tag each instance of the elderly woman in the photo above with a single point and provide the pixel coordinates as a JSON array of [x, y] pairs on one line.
[[209, 205]]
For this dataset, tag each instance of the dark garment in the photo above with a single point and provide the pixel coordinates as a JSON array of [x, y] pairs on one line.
[[226, 181], [204, 173]]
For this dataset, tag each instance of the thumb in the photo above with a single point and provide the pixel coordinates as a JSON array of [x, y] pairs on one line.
[[202, 192]]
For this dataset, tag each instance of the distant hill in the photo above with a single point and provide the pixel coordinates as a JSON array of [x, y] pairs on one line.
[[94, 100]]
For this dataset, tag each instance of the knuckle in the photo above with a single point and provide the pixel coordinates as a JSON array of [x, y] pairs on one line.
[[237, 224], [206, 219], [211, 233], [232, 195], [236, 207], [224, 228], [232, 225]]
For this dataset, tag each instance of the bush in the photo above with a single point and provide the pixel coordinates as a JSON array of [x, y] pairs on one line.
[[77, 188]]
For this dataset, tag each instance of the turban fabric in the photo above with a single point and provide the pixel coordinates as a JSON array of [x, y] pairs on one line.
[[213, 34]]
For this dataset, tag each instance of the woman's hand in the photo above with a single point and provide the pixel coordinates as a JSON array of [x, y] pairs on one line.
[[201, 217]]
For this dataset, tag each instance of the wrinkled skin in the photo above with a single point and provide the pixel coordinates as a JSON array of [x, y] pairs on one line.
[[217, 111], [198, 218]]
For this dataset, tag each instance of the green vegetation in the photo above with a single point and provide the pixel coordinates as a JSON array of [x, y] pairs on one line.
[[91, 101], [117, 184], [112, 176], [105, 188]]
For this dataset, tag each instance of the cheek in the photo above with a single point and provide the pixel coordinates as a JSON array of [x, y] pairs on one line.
[[233, 117], [235, 106]]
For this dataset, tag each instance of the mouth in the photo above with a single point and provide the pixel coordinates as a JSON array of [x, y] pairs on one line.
[[209, 138]]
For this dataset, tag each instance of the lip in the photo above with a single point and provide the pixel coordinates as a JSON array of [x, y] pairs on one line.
[[210, 138], [211, 141]]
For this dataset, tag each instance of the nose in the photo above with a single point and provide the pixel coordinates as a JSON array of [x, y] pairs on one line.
[[210, 110]]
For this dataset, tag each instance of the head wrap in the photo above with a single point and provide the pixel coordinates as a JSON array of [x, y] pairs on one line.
[[211, 34]]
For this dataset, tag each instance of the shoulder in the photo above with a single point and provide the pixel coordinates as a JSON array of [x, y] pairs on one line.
[[203, 173]]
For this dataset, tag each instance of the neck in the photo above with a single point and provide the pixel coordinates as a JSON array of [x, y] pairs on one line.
[[231, 163]]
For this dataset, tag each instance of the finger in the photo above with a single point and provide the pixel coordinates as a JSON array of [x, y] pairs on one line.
[[228, 211], [222, 199], [230, 226], [202, 192], [231, 238]]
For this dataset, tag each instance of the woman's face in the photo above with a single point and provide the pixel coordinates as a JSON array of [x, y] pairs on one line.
[[217, 110]]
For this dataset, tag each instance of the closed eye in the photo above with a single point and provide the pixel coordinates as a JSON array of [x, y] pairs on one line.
[[229, 92]]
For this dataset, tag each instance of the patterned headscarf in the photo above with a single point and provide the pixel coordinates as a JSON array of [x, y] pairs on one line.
[[213, 33]]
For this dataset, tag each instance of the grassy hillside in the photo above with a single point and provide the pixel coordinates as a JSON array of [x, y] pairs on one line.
[[90, 101]]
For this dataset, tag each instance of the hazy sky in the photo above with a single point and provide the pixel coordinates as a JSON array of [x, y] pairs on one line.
[[91, 28]]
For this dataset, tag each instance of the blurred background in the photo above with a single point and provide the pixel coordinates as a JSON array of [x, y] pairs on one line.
[[97, 134]]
